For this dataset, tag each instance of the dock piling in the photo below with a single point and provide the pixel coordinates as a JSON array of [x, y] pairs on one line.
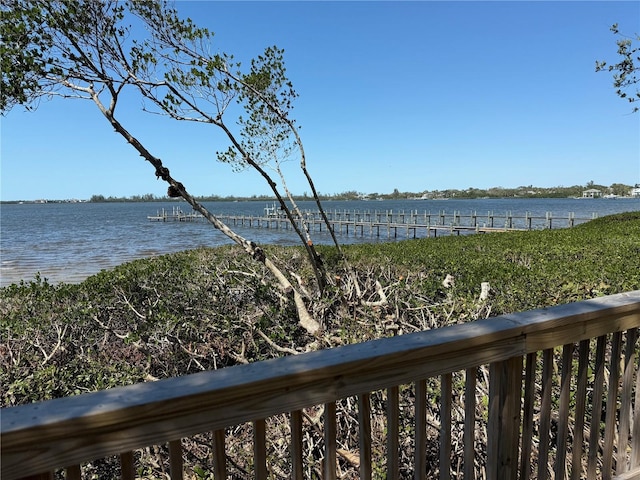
[[413, 223]]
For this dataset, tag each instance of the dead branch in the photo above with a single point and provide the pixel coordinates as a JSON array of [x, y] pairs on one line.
[[128, 303], [381, 294], [275, 346], [107, 328], [240, 357], [48, 356]]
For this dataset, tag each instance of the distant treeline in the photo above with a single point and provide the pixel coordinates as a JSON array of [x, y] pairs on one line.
[[530, 191], [619, 189]]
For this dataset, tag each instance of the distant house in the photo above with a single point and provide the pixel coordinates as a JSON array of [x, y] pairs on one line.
[[591, 193], [635, 192]]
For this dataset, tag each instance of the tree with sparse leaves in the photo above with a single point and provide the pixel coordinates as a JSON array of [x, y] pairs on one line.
[[626, 73], [92, 50]]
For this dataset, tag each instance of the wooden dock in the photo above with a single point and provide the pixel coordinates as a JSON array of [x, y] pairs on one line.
[[176, 215], [389, 223]]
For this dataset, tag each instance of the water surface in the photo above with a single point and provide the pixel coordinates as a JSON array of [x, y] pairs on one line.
[[71, 241]]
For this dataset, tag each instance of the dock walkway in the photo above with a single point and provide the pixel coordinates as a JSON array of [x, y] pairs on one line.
[[389, 223]]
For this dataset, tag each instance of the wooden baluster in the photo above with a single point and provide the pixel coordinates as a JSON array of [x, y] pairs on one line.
[[393, 432], [296, 445], [598, 387], [527, 416], [612, 406], [175, 460], [421, 430], [73, 472], [330, 432], [563, 414], [127, 466], [635, 440], [219, 455], [545, 413], [445, 427], [581, 396], [260, 449], [503, 432], [364, 423], [622, 465], [469, 423]]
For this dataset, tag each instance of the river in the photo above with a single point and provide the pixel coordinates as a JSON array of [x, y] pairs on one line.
[[71, 241]]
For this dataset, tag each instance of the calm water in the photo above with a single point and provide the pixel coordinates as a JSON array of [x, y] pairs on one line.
[[68, 242]]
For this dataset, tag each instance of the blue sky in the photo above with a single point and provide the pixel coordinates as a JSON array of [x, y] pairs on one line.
[[408, 95]]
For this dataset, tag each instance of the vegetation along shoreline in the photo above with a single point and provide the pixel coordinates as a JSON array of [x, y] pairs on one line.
[[211, 308]]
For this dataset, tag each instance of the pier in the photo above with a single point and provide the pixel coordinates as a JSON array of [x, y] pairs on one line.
[[388, 223]]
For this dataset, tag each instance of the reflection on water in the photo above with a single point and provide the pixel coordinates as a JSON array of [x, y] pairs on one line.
[[68, 242]]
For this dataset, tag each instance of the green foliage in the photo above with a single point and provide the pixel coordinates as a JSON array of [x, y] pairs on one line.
[[22, 53], [625, 72], [211, 308], [525, 269]]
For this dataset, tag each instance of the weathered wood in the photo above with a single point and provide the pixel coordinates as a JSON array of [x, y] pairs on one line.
[[527, 416], [563, 412], [577, 447], [219, 455], [626, 399], [127, 466], [598, 389], [260, 449], [364, 424], [76, 429], [297, 467], [630, 475], [353, 221], [175, 460], [612, 407], [469, 434], [445, 426], [503, 431], [545, 414], [635, 439], [420, 406], [330, 431], [73, 473], [393, 432]]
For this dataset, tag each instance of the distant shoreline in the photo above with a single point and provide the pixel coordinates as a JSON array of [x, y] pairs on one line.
[[324, 199]]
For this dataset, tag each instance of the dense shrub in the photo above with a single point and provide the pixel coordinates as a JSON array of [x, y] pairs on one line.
[[211, 308]]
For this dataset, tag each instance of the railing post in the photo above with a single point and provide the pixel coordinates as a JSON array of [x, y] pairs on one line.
[[393, 429], [73, 473], [219, 455], [364, 423], [260, 449], [420, 439], [505, 386], [296, 445], [175, 459], [527, 415], [445, 426], [127, 466], [330, 431], [612, 408], [469, 422]]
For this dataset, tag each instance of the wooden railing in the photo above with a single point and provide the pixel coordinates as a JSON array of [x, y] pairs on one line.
[[563, 396]]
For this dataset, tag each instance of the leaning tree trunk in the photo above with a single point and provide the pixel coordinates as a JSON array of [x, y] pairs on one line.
[[177, 189]]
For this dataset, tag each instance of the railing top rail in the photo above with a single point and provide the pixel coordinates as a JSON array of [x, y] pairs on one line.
[[74, 429]]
